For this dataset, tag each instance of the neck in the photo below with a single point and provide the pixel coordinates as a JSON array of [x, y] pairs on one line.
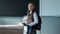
[[30, 12]]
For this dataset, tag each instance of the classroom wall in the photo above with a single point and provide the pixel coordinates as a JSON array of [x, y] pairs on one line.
[[50, 15], [50, 7]]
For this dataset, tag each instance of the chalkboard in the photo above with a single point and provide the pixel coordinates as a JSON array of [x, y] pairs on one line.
[[15, 7]]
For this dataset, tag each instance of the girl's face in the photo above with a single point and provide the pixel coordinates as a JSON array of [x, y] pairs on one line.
[[30, 7]]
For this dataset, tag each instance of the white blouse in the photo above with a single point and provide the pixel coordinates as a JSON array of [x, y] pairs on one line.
[[35, 19]]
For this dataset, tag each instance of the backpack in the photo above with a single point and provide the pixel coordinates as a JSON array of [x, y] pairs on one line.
[[38, 26]]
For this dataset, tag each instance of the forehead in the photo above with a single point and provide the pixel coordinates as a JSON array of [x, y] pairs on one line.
[[30, 4]]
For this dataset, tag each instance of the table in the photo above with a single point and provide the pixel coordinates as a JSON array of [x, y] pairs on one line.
[[11, 29]]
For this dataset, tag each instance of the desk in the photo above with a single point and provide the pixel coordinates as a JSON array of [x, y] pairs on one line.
[[11, 29]]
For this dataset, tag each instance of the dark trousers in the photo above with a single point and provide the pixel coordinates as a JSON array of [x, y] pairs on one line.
[[31, 30]]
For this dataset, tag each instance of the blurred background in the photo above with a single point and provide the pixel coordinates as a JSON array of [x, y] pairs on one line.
[[12, 12]]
